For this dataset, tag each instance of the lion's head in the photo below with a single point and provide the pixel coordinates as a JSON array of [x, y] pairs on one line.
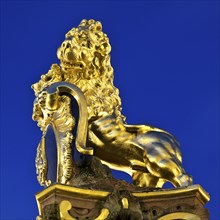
[[85, 48], [85, 62]]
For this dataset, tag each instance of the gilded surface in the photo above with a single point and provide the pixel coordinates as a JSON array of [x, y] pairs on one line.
[[152, 156]]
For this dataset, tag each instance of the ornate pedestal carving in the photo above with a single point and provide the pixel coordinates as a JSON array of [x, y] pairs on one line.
[[70, 203]]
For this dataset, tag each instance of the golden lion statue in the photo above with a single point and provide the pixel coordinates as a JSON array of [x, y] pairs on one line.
[[149, 154]]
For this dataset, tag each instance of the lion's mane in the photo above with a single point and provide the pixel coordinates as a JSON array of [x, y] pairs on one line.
[[88, 45]]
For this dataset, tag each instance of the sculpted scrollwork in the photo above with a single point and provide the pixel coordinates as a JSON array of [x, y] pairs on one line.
[[63, 122]]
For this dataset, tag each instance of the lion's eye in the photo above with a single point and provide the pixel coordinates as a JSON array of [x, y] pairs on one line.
[[83, 44]]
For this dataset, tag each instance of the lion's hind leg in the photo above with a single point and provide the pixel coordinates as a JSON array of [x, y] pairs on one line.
[[162, 164]]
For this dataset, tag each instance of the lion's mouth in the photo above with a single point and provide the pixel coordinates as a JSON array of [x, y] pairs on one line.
[[78, 65]]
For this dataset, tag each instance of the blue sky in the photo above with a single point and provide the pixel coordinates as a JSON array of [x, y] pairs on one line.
[[166, 60]]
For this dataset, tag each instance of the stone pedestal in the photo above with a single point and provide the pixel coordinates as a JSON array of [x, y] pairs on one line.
[[69, 203]]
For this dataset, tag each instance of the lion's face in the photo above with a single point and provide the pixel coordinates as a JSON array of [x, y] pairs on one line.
[[85, 62], [75, 53], [84, 47]]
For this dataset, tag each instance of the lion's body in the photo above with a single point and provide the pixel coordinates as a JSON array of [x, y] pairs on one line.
[[150, 155]]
